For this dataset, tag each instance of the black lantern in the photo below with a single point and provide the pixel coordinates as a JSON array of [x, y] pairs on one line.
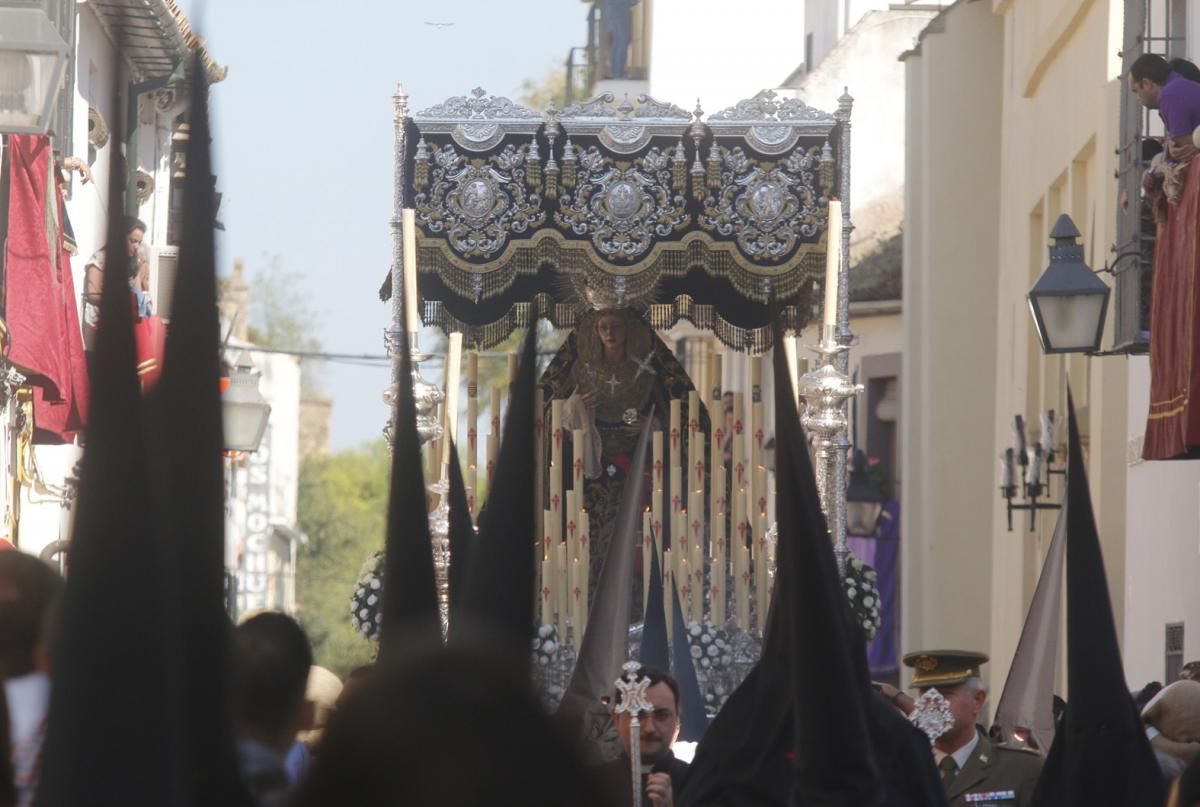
[[864, 499], [1068, 301]]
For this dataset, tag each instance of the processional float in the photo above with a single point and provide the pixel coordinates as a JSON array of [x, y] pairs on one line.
[[500, 210]]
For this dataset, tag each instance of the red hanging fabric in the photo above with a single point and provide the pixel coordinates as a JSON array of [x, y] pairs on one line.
[[43, 318]]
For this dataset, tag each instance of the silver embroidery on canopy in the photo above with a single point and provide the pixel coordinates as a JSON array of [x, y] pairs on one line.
[[478, 203], [624, 128], [478, 122], [623, 210], [766, 207], [770, 125]]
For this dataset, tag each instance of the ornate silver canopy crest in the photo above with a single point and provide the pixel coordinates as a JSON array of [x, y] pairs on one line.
[[769, 124], [478, 122], [932, 715], [624, 129]]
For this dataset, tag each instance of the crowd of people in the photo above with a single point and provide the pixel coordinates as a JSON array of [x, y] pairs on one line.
[[439, 728]]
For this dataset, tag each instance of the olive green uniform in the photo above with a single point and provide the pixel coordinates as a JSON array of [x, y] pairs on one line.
[[995, 776]]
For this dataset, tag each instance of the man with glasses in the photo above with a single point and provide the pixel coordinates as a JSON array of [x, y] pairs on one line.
[[662, 773]]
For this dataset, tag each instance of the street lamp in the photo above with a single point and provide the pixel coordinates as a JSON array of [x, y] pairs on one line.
[[33, 60], [1068, 301], [864, 499], [243, 408]]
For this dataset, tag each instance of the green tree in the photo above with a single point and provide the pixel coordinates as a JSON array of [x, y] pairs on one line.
[[342, 506], [540, 92]]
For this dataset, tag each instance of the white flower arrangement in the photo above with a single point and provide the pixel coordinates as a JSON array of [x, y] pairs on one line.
[[545, 646], [861, 589], [366, 603], [712, 652]]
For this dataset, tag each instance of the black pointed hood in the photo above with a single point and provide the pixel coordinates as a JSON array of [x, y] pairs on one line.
[[835, 760], [1101, 754], [109, 734], [498, 596], [188, 404], [462, 532], [410, 610]]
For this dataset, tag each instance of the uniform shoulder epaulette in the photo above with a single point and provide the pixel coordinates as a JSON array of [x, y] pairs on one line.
[[1017, 749]]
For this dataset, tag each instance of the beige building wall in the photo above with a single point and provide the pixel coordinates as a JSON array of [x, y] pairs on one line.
[[948, 400], [1061, 99]]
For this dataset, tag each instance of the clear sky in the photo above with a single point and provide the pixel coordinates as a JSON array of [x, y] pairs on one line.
[[303, 142]]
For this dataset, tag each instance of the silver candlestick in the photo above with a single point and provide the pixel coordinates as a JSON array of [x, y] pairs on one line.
[[825, 390]]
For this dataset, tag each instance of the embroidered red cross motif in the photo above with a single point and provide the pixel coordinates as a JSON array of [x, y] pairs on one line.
[[721, 504], [583, 541], [558, 438], [699, 575], [762, 544], [696, 529], [495, 424], [545, 592], [693, 425], [741, 528], [740, 472], [578, 469], [675, 504], [737, 427], [762, 504], [578, 592], [720, 437], [571, 529], [714, 593], [674, 438], [699, 471], [721, 544], [554, 500], [685, 591], [758, 437], [658, 469], [657, 527], [472, 439], [746, 578], [491, 466]]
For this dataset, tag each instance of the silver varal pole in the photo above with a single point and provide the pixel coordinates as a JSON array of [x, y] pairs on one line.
[[827, 387], [426, 396]]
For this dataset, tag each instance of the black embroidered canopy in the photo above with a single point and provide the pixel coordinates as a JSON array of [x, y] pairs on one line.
[[605, 204]]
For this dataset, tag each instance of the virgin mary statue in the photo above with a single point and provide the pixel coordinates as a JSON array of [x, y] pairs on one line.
[[612, 372]]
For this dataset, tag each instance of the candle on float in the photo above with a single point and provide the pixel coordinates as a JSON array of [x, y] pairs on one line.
[[495, 413], [493, 451], [585, 555], [512, 368], [742, 587], [674, 433], [564, 598], [647, 548], [791, 350], [738, 455], [761, 583], [693, 421], [408, 237], [676, 489], [556, 432], [656, 460], [760, 501], [668, 575], [472, 408], [696, 558], [547, 591], [471, 480], [683, 584], [833, 260], [453, 370], [548, 535], [577, 463], [539, 437], [698, 592], [699, 463]]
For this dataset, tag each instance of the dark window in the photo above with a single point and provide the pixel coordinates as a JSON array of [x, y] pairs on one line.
[[1174, 652]]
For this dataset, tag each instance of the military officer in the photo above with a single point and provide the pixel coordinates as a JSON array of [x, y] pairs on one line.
[[974, 770]]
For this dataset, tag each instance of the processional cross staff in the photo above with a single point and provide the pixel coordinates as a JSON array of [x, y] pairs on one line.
[[633, 685]]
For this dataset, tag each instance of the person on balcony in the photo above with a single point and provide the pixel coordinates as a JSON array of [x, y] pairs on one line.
[[1173, 422]]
